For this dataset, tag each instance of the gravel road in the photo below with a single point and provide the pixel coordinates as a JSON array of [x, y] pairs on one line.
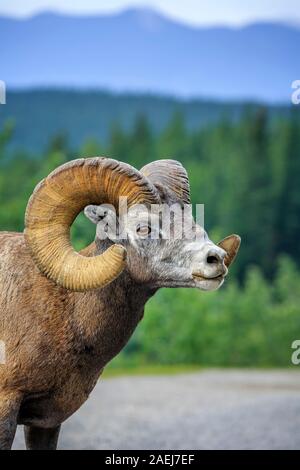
[[214, 409]]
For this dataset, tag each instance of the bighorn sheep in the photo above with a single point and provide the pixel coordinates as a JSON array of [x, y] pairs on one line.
[[65, 315]]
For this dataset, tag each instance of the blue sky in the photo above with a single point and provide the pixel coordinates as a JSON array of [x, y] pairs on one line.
[[197, 12]]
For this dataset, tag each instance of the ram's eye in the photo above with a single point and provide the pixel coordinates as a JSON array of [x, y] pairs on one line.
[[143, 230]]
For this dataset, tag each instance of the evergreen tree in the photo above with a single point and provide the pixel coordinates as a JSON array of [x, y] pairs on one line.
[[91, 148], [254, 208], [173, 142], [118, 146], [141, 143], [288, 203]]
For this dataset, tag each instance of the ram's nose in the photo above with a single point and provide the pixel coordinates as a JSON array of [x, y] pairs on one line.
[[215, 258]]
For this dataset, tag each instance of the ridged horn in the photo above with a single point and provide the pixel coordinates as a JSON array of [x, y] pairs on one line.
[[169, 174], [231, 245], [56, 202]]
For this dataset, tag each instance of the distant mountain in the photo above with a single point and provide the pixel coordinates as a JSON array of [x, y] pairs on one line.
[[140, 50], [40, 115]]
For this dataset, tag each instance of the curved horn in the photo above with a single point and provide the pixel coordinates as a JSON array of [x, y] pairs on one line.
[[170, 174], [231, 245], [56, 202]]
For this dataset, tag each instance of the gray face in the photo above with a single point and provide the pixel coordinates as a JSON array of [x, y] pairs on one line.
[[160, 257]]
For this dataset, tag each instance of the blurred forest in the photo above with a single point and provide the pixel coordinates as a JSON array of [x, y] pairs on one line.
[[247, 173], [86, 114]]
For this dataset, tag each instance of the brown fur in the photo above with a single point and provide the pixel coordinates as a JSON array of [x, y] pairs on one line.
[[57, 341]]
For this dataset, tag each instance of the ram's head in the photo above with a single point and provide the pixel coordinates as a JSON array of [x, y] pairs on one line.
[[176, 253]]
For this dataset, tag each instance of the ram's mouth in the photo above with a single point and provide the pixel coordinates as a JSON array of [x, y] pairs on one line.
[[200, 277]]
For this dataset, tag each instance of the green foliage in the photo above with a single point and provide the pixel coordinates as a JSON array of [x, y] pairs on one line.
[[82, 115], [247, 326], [247, 173]]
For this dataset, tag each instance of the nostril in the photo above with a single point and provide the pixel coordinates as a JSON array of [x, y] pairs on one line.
[[212, 259]]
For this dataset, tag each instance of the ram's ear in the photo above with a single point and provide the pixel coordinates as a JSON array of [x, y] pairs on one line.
[[97, 213], [91, 213], [231, 245]]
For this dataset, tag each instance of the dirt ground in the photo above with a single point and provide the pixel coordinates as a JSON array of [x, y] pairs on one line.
[[216, 409]]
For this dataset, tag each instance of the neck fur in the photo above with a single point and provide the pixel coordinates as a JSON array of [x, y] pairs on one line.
[[105, 318]]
